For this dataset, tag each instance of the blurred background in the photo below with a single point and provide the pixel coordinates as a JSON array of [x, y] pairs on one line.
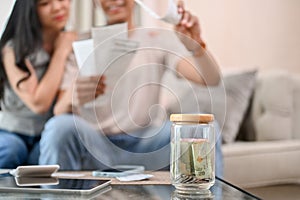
[[264, 33]]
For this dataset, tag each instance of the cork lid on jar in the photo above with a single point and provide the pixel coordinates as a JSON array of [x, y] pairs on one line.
[[194, 118]]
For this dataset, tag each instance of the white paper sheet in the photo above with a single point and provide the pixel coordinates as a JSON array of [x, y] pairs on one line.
[[83, 51], [110, 43], [113, 53], [108, 53], [171, 15]]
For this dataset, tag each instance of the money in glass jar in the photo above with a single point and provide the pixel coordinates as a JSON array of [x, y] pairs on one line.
[[192, 152]]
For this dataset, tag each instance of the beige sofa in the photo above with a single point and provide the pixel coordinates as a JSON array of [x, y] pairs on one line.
[[269, 149], [265, 148]]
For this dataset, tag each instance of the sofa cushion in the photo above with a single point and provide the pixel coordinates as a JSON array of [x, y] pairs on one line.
[[296, 107], [273, 106], [239, 87]]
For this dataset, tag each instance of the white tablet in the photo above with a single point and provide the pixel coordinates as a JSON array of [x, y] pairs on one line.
[[51, 185]]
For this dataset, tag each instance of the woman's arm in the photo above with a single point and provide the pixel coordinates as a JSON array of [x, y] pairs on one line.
[[201, 67], [39, 96], [64, 103], [84, 90]]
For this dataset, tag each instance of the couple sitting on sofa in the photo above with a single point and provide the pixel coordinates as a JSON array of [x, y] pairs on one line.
[[124, 130]]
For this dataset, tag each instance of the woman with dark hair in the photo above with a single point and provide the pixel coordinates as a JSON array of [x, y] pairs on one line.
[[34, 51]]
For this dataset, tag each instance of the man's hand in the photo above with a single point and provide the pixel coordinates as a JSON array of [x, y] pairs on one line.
[[189, 28], [87, 89]]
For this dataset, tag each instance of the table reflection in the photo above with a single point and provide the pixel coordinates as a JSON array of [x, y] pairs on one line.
[[220, 191], [205, 195]]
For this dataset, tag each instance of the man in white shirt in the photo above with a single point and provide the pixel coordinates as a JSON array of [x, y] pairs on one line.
[[127, 129]]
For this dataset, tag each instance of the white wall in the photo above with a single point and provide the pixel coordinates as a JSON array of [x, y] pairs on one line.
[[5, 9], [265, 33], [252, 32]]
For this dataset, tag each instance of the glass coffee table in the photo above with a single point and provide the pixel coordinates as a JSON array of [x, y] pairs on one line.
[[222, 190]]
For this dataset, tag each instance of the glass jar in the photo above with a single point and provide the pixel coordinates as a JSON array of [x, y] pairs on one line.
[[192, 152]]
